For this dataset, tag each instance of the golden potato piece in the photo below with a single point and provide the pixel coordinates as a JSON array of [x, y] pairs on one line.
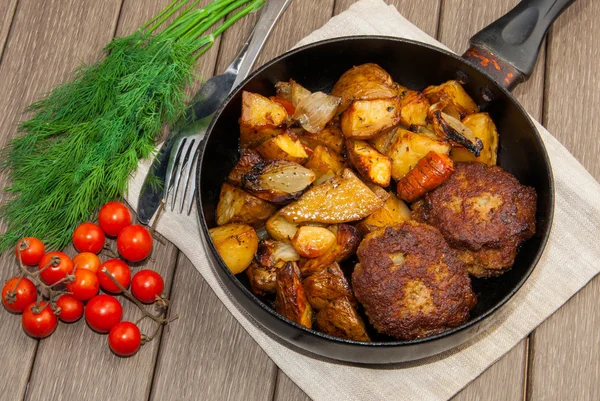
[[484, 128], [459, 103], [312, 242], [238, 206], [236, 244], [393, 211], [346, 242], [413, 109], [342, 199], [325, 163], [253, 137], [248, 159], [330, 137], [285, 146], [278, 181], [259, 111], [407, 148], [372, 165], [340, 319], [365, 119], [290, 298], [280, 228], [363, 82], [327, 285]]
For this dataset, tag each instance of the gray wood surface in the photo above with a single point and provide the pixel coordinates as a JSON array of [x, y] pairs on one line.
[[565, 350], [206, 354]]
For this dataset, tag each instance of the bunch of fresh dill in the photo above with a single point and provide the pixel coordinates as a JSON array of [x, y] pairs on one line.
[[85, 137]]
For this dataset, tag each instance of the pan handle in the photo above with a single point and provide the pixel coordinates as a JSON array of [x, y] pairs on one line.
[[508, 48]]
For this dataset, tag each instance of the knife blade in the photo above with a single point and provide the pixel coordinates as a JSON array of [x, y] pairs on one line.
[[204, 104]]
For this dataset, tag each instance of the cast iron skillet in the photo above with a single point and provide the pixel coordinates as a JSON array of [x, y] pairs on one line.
[[501, 56]]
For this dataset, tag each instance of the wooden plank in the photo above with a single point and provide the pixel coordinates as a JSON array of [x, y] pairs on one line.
[[423, 14], [7, 12], [286, 389], [45, 44], [459, 20], [565, 358], [207, 353]]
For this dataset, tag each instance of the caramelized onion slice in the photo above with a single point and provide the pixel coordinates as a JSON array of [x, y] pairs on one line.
[[278, 181], [316, 110], [448, 127]]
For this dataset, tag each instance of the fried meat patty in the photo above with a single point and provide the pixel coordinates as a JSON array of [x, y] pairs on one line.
[[484, 213], [410, 282]]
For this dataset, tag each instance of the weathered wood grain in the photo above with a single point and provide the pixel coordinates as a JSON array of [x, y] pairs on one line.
[[423, 14], [45, 44], [565, 357], [207, 354], [7, 12], [287, 390]]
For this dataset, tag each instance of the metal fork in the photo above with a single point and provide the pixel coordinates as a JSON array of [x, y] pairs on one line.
[[183, 160]]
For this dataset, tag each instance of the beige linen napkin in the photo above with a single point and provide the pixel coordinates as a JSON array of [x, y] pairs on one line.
[[571, 259]]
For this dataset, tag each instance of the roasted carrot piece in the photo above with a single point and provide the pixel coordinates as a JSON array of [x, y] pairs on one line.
[[289, 107], [428, 174]]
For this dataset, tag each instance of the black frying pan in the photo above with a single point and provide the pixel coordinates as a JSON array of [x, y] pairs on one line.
[[501, 56]]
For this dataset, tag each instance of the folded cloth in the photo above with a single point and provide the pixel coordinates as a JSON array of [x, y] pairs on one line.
[[570, 260]]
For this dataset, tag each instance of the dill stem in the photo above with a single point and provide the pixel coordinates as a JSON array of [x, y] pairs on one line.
[[189, 19], [167, 16], [160, 14], [205, 42], [200, 29]]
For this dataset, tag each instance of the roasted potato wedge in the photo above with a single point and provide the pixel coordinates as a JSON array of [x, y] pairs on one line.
[[483, 128], [340, 319], [363, 82], [393, 211], [327, 285], [285, 146], [382, 141], [331, 137], [277, 181], [447, 127], [290, 300], [253, 137], [236, 244], [238, 206], [407, 148], [380, 192], [364, 119], [259, 111], [459, 103], [346, 242], [342, 199], [413, 109], [325, 163], [372, 165], [273, 253], [248, 159], [312, 242], [262, 279], [280, 228]]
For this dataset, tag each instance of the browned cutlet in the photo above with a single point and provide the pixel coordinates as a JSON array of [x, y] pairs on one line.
[[410, 282], [484, 213]]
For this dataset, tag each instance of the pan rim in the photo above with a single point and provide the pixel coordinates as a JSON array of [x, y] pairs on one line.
[[378, 344]]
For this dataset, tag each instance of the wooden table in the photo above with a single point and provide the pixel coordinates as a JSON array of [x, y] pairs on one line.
[[206, 354]]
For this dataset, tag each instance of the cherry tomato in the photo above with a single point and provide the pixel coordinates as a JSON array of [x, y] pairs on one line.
[[88, 237], [31, 249], [41, 324], [102, 312], [85, 286], [71, 309], [146, 285], [113, 217], [125, 339], [87, 261], [60, 266], [25, 294], [119, 270], [134, 243]]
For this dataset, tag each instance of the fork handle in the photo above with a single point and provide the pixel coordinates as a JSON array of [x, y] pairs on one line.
[[243, 63]]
